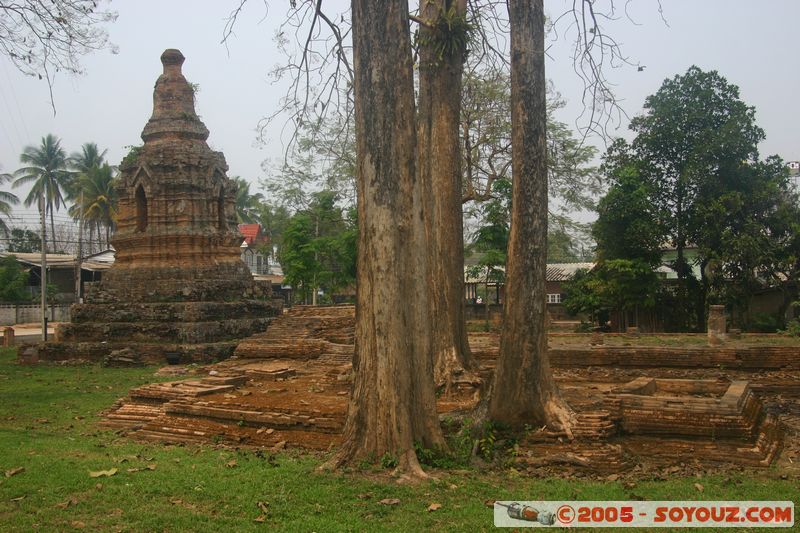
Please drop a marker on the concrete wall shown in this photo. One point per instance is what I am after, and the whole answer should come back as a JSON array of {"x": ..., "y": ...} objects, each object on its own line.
[{"x": 11, "y": 314}]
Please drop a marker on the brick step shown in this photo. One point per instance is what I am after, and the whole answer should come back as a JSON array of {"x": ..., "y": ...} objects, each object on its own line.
[
  {"x": 274, "y": 418},
  {"x": 188, "y": 430}
]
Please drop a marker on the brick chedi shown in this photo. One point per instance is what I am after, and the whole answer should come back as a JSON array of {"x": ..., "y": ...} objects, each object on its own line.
[{"x": 178, "y": 283}]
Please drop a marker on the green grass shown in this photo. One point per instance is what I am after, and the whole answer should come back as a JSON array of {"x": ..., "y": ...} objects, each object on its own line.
[{"x": 48, "y": 417}]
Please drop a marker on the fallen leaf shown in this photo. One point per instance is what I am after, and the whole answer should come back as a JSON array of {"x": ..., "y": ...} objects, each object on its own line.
[
  {"x": 489, "y": 503},
  {"x": 264, "y": 506},
  {"x": 71, "y": 502},
  {"x": 18, "y": 499},
  {"x": 699, "y": 487},
  {"x": 259, "y": 431},
  {"x": 231, "y": 464},
  {"x": 279, "y": 446},
  {"x": 99, "y": 486},
  {"x": 270, "y": 431},
  {"x": 612, "y": 477},
  {"x": 103, "y": 473},
  {"x": 434, "y": 507},
  {"x": 151, "y": 466},
  {"x": 389, "y": 501},
  {"x": 77, "y": 524},
  {"x": 260, "y": 518},
  {"x": 15, "y": 471},
  {"x": 364, "y": 496},
  {"x": 132, "y": 470}
]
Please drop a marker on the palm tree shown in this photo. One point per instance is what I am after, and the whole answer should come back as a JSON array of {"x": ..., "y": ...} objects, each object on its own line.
[
  {"x": 246, "y": 204},
  {"x": 47, "y": 171},
  {"x": 7, "y": 199},
  {"x": 99, "y": 199},
  {"x": 80, "y": 163}
]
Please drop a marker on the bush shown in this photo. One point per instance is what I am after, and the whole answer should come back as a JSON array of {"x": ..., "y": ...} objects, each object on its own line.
[
  {"x": 764, "y": 323},
  {"x": 793, "y": 328},
  {"x": 13, "y": 280}
]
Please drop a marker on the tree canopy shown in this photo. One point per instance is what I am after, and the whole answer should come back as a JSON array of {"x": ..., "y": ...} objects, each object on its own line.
[
  {"x": 13, "y": 280},
  {"x": 318, "y": 248},
  {"x": 692, "y": 176}
]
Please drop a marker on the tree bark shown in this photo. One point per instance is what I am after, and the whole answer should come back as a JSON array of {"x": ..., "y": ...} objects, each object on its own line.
[
  {"x": 393, "y": 404},
  {"x": 439, "y": 167},
  {"x": 53, "y": 230},
  {"x": 524, "y": 391}
]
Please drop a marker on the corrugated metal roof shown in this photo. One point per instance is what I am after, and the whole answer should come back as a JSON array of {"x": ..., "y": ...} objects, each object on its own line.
[
  {"x": 61, "y": 261},
  {"x": 565, "y": 271},
  {"x": 555, "y": 272}
]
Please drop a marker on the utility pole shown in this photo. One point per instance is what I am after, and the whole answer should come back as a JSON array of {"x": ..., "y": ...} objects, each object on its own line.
[
  {"x": 43, "y": 270},
  {"x": 80, "y": 251}
]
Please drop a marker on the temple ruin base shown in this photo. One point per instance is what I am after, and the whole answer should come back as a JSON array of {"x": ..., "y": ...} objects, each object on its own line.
[{"x": 289, "y": 386}]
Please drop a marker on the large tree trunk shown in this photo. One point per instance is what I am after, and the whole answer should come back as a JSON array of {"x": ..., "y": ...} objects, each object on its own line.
[
  {"x": 393, "y": 404},
  {"x": 439, "y": 167},
  {"x": 524, "y": 390}
]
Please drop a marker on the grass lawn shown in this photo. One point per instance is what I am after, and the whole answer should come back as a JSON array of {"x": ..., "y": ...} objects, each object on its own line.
[{"x": 48, "y": 417}]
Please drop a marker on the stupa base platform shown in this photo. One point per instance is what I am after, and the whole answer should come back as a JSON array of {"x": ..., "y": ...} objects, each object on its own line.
[
  {"x": 298, "y": 398},
  {"x": 153, "y": 352}
]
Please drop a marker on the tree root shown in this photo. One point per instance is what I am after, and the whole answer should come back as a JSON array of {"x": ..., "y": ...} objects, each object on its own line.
[{"x": 559, "y": 416}]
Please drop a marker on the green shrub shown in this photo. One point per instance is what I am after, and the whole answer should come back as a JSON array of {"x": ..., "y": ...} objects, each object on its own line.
[{"x": 764, "y": 323}]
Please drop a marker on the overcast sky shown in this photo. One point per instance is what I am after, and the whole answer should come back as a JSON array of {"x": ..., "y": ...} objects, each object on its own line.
[{"x": 752, "y": 44}]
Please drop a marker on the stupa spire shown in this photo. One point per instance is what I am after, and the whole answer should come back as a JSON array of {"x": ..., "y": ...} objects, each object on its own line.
[{"x": 174, "y": 115}]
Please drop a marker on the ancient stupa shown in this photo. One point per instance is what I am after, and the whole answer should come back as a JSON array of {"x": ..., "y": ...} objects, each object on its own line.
[{"x": 178, "y": 286}]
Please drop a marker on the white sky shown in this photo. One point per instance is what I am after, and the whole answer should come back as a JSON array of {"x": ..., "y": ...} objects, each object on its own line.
[{"x": 752, "y": 44}]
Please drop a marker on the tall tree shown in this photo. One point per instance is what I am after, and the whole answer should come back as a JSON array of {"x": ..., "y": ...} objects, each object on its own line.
[
  {"x": 524, "y": 391},
  {"x": 99, "y": 207},
  {"x": 80, "y": 163},
  {"x": 695, "y": 130},
  {"x": 696, "y": 150},
  {"x": 247, "y": 205},
  {"x": 7, "y": 200},
  {"x": 47, "y": 172},
  {"x": 442, "y": 43},
  {"x": 318, "y": 248},
  {"x": 392, "y": 405}
]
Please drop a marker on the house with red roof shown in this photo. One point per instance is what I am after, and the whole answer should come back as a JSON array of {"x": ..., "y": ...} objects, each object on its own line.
[{"x": 255, "y": 248}]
